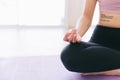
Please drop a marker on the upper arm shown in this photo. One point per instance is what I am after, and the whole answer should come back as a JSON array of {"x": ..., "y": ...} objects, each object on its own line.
[{"x": 89, "y": 8}]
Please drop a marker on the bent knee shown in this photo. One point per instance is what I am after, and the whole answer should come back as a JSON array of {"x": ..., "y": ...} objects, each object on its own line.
[
  {"x": 68, "y": 62},
  {"x": 68, "y": 56}
]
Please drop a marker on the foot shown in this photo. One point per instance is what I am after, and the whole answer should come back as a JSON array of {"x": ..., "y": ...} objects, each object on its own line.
[{"x": 115, "y": 72}]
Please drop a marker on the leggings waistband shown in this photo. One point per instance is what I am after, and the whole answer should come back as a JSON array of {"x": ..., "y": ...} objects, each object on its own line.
[{"x": 107, "y": 27}]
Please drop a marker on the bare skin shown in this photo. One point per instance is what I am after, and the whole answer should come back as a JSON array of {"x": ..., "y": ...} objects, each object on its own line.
[
  {"x": 109, "y": 19},
  {"x": 106, "y": 19},
  {"x": 115, "y": 72}
]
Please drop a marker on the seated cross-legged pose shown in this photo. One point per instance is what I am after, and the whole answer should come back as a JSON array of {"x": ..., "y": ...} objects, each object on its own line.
[{"x": 101, "y": 54}]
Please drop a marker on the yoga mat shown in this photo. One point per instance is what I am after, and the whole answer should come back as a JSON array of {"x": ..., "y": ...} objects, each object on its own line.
[{"x": 41, "y": 68}]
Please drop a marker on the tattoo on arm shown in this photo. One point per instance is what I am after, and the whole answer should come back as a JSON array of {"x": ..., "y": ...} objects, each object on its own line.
[{"x": 106, "y": 17}]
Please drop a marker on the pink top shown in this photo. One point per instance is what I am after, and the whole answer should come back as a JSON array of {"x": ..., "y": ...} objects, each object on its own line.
[{"x": 109, "y": 5}]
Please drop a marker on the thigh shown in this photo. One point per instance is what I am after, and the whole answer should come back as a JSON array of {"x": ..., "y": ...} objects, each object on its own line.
[
  {"x": 90, "y": 57},
  {"x": 76, "y": 48},
  {"x": 98, "y": 58}
]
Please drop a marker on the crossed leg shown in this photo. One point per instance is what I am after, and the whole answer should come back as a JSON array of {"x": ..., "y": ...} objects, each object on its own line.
[{"x": 91, "y": 59}]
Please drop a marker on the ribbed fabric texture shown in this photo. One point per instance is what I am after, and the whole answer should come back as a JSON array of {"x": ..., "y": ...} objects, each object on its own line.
[{"x": 109, "y": 5}]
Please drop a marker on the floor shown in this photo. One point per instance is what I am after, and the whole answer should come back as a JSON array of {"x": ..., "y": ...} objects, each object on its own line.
[{"x": 41, "y": 68}]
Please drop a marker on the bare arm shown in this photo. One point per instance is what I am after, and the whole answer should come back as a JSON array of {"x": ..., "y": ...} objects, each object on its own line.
[
  {"x": 86, "y": 18},
  {"x": 75, "y": 35}
]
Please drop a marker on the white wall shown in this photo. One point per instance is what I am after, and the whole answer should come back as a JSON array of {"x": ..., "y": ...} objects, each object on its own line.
[
  {"x": 41, "y": 12},
  {"x": 8, "y": 12},
  {"x": 73, "y": 11},
  {"x": 38, "y": 12},
  {"x": 32, "y": 12}
]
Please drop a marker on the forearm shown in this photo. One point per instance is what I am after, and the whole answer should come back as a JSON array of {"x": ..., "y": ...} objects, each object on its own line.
[{"x": 83, "y": 25}]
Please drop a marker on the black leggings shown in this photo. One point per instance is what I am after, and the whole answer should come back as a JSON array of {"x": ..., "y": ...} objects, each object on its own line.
[{"x": 101, "y": 53}]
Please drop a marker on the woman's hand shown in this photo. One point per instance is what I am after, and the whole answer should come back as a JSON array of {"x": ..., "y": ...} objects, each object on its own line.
[{"x": 72, "y": 36}]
